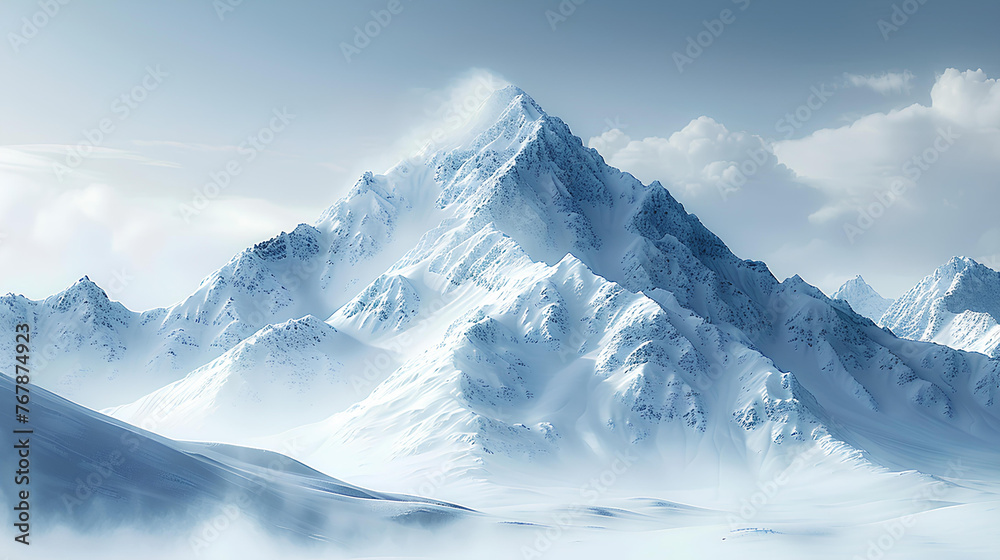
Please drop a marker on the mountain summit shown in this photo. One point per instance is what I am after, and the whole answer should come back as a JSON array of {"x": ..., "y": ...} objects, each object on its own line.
[
  {"x": 863, "y": 298},
  {"x": 957, "y": 305}
]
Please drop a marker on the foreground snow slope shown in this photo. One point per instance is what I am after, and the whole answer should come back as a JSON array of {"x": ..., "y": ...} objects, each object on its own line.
[
  {"x": 103, "y": 489},
  {"x": 97, "y": 474},
  {"x": 957, "y": 305}
]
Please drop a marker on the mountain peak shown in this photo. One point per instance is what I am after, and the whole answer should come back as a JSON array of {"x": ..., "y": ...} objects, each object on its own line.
[
  {"x": 863, "y": 299},
  {"x": 961, "y": 273},
  {"x": 506, "y": 113},
  {"x": 958, "y": 305},
  {"x": 85, "y": 287},
  {"x": 959, "y": 263},
  {"x": 858, "y": 281},
  {"x": 508, "y": 97}
]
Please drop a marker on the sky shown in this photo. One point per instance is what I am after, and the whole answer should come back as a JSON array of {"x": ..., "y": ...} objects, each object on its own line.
[{"x": 143, "y": 144}]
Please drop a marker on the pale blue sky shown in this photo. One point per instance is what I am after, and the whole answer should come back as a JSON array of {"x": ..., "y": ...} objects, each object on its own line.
[{"x": 607, "y": 65}]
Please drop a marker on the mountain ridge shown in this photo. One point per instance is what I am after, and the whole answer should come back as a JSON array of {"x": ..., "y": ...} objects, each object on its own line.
[{"x": 957, "y": 305}]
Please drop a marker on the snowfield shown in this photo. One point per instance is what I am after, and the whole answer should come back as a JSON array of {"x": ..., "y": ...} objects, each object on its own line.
[{"x": 512, "y": 326}]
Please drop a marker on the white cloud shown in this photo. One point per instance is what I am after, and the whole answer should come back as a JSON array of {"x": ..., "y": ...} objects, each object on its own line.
[
  {"x": 793, "y": 212},
  {"x": 446, "y": 114},
  {"x": 57, "y": 232},
  {"x": 946, "y": 148},
  {"x": 610, "y": 143},
  {"x": 703, "y": 159},
  {"x": 968, "y": 98},
  {"x": 888, "y": 83},
  {"x": 903, "y": 191}
]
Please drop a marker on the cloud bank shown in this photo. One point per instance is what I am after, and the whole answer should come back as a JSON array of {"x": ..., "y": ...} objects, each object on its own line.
[{"x": 890, "y": 195}]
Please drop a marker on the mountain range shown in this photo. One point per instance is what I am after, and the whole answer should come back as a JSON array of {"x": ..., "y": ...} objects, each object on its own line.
[
  {"x": 506, "y": 316},
  {"x": 957, "y": 305}
]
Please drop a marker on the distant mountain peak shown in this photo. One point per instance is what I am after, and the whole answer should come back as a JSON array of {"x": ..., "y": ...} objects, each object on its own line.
[
  {"x": 863, "y": 299},
  {"x": 83, "y": 290},
  {"x": 958, "y": 305}
]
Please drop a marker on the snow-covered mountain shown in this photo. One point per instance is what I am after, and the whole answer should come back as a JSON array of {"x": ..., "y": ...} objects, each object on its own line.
[
  {"x": 509, "y": 313},
  {"x": 957, "y": 305},
  {"x": 304, "y": 362},
  {"x": 864, "y": 300},
  {"x": 98, "y": 353},
  {"x": 544, "y": 307}
]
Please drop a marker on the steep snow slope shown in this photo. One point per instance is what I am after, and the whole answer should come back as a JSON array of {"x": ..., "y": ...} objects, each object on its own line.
[
  {"x": 958, "y": 305},
  {"x": 283, "y": 376},
  {"x": 864, "y": 300}
]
